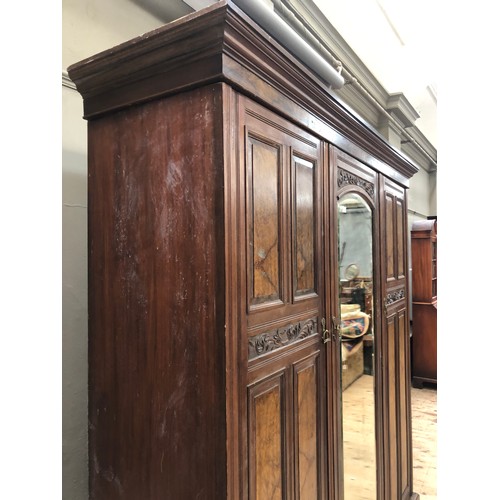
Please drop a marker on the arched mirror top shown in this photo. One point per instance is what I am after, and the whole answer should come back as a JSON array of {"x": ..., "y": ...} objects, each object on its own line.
[
  {"x": 354, "y": 198},
  {"x": 355, "y": 234}
]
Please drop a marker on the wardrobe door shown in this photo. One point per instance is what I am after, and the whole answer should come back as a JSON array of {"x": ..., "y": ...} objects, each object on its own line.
[
  {"x": 284, "y": 311},
  {"x": 354, "y": 257},
  {"x": 396, "y": 375}
]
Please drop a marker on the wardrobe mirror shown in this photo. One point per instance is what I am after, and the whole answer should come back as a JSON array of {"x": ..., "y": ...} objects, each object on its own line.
[{"x": 357, "y": 346}]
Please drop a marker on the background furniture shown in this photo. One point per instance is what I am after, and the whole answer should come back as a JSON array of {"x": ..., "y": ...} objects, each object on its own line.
[
  {"x": 215, "y": 160},
  {"x": 424, "y": 302}
]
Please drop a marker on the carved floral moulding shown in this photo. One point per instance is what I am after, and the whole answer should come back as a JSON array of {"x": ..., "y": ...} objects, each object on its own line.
[
  {"x": 281, "y": 337},
  {"x": 345, "y": 178},
  {"x": 394, "y": 296}
]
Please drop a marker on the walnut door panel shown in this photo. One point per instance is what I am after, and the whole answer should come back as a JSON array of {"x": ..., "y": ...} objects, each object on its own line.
[
  {"x": 391, "y": 417},
  {"x": 403, "y": 357},
  {"x": 303, "y": 227},
  {"x": 267, "y": 430},
  {"x": 283, "y": 216},
  {"x": 267, "y": 234},
  {"x": 265, "y": 252},
  {"x": 286, "y": 434},
  {"x": 395, "y": 225},
  {"x": 398, "y": 399},
  {"x": 308, "y": 434}
]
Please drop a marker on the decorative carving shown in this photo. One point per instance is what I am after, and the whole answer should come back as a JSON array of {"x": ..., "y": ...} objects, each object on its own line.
[
  {"x": 395, "y": 296},
  {"x": 269, "y": 341},
  {"x": 348, "y": 179}
]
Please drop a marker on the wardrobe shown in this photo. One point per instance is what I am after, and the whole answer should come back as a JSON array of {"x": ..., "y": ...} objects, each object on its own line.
[{"x": 247, "y": 239}]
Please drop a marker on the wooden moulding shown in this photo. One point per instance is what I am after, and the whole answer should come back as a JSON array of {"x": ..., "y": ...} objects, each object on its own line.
[{"x": 222, "y": 44}]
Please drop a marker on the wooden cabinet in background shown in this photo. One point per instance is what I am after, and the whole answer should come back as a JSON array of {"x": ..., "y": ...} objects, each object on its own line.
[{"x": 424, "y": 301}]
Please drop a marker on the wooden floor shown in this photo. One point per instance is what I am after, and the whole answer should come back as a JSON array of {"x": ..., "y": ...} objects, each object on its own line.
[
  {"x": 424, "y": 434},
  {"x": 359, "y": 441}
]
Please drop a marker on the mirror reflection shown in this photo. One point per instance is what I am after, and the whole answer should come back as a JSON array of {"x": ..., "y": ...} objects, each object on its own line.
[{"x": 357, "y": 343}]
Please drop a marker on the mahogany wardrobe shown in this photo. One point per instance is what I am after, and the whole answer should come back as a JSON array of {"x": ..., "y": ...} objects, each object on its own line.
[{"x": 248, "y": 305}]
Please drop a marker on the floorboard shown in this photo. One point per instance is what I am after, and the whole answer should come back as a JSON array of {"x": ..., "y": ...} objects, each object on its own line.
[
  {"x": 359, "y": 441},
  {"x": 424, "y": 435}
]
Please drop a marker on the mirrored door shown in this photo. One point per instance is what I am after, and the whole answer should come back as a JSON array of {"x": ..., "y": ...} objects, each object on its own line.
[{"x": 357, "y": 341}]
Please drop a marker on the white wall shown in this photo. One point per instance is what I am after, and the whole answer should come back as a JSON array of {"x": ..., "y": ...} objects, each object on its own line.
[
  {"x": 422, "y": 194},
  {"x": 90, "y": 26},
  {"x": 74, "y": 299}
]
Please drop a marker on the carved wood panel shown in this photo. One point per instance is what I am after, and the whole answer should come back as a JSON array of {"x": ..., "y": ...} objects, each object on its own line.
[{"x": 278, "y": 338}]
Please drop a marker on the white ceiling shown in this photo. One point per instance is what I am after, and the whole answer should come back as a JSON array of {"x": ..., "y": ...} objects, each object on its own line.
[{"x": 396, "y": 40}]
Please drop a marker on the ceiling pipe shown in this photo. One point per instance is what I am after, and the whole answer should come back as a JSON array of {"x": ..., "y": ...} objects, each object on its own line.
[{"x": 265, "y": 16}]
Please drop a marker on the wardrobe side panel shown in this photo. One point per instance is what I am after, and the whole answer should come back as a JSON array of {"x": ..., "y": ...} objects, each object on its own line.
[{"x": 156, "y": 301}]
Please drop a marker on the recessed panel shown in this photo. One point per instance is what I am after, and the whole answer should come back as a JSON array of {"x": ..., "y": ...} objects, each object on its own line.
[
  {"x": 266, "y": 440},
  {"x": 389, "y": 236},
  {"x": 391, "y": 383},
  {"x": 403, "y": 399},
  {"x": 307, "y": 431},
  {"x": 400, "y": 236},
  {"x": 264, "y": 222},
  {"x": 304, "y": 247}
]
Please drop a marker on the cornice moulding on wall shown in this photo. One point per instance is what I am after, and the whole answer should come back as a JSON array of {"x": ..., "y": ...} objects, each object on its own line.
[
  {"x": 421, "y": 153},
  {"x": 353, "y": 98},
  {"x": 67, "y": 82},
  {"x": 397, "y": 105}
]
